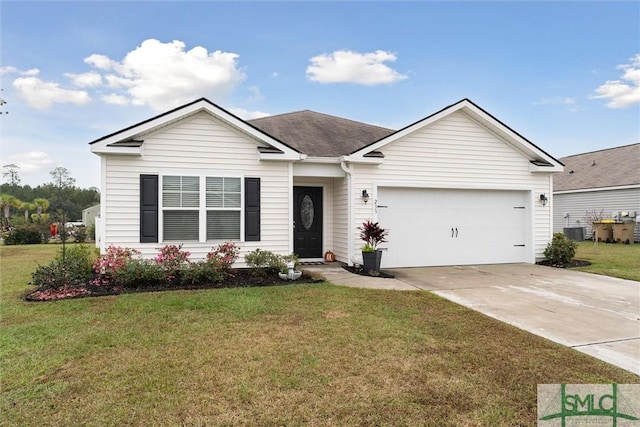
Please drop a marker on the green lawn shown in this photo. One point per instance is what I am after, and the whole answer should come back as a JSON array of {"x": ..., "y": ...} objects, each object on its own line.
[
  {"x": 293, "y": 355},
  {"x": 614, "y": 260}
]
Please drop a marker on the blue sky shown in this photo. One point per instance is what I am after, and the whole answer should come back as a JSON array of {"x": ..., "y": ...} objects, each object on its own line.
[{"x": 565, "y": 75}]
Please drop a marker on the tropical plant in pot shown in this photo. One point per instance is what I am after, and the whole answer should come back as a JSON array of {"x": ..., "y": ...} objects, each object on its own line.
[{"x": 372, "y": 235}]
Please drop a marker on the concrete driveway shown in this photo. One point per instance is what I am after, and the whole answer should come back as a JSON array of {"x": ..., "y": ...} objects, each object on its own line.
[{"x": 597, "y": 315}]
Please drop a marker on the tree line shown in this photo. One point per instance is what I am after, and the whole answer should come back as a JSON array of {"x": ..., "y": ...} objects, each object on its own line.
[{"x": 59, "y": 195}]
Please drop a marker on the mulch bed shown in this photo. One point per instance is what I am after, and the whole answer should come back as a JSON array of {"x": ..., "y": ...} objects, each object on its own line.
[
  {"x": 239, "y": 278},
  {"x": 360, "y": 271},
  {"x": 574, "y": 263}
]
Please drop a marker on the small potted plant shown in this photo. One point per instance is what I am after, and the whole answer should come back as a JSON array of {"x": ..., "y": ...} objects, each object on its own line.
[{"x": 372, "y": 235}]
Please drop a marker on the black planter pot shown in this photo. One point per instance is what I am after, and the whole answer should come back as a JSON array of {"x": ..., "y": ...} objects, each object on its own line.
[{"x": 371, "y": 261}]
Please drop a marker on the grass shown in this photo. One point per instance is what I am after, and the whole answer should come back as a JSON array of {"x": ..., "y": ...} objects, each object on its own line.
[
  {"x": 291, "y": 355},
  {"x": 616, "y": 260}
]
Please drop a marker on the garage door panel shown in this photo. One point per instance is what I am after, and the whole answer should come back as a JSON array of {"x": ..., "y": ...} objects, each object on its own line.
[{"x": 452, "y": 227}]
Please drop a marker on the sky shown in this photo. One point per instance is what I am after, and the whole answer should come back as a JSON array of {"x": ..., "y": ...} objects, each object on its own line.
[{"x": 565, "y": 75}]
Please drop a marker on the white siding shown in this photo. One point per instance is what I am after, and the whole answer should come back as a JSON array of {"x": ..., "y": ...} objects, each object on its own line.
[
  {"x": 199, "y": 145},
  {"x": 341, "y": 219},
  {"x": 576, "y": 205},
  {"x": 454, "y": 152}
]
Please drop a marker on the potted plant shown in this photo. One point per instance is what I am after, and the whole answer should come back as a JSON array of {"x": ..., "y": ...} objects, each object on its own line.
[{"x": 372, "y": 235}]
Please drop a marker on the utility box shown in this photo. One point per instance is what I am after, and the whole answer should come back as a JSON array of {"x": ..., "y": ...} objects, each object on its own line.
[
  {"x": 574, "y": 233},
  {"x": 603, "y": 232},
  {"x": 623, "y": 232}
]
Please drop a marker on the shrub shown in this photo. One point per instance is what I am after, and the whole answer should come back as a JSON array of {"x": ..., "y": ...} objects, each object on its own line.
[
  {"x": 106, "y": 265},
  {"x": 138, "y": 273},
  {"x": 203, "y": 272},
  {"x": 73, "y": 269},
  {"x": 560, "y": 250},
  {"x": 266, "y": 262},
  {"x": 24, "y": 235},
  {"x": 80, "y": 234}
]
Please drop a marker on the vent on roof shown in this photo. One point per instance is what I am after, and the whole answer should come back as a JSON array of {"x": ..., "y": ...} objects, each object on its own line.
[
  {"x": 374, "y": 154},
  {"x": 129, "y": 143}
]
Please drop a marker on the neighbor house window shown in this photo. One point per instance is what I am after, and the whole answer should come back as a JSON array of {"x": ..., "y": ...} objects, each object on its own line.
[
  {"x": 181, "y": 203},
  {"x": 185, "y": 207}
]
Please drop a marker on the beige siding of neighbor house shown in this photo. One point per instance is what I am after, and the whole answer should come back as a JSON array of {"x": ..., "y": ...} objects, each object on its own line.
[
  {"x": 605, "y": 202},
  {"x": 454, "y": 152},
  {"x": 198, "y": 145}
]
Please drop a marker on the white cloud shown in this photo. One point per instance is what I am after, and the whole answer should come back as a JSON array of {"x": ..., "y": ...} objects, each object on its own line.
[
  {"x": 90, "y": 79},
  {"x": 30, "y": 163},
  {"x": 115, "y": 99},
  {"x": 8, "y": 70},
  {"x": 248, "y": 115},
  {"x": 41, "y": 95},
  {"x": 567, "y": 102},
  {"x": 345, "y": 66},
  {"x": 164, "y": 75},
  {"x": 626, "y": 91}
]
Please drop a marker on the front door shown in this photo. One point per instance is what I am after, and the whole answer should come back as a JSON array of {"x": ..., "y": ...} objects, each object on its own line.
[{"x": 307, "y": 222}]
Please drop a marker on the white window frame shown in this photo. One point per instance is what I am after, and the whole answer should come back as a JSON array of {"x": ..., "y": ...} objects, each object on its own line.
[{"x": 202, "y": 209}]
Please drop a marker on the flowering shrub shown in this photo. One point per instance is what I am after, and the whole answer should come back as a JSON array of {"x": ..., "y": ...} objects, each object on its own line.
[
  {"x": 106, "y": 265},
  {"x": 224, "y": 255},
  {"x": 172, "y": 259}
]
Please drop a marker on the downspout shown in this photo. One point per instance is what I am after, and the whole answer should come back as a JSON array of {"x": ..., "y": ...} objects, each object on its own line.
[{"x": 347, "y": 169}]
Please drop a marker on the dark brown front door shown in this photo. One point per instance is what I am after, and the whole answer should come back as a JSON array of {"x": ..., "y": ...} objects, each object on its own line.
[{"x": 307, "y": 225}]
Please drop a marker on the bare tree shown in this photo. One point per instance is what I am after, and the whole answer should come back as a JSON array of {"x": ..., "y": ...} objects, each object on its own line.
[
  {"x": 11, "y": 172},
  {"x": 61, "y": 178}
]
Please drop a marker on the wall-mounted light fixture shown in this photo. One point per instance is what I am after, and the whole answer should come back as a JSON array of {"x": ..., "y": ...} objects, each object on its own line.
[
  {"x": 543, "y": 199},
  {"x": 365, "y": 196}
]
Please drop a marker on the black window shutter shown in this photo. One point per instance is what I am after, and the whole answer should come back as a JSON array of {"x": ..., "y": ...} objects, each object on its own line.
[
  {"x": 148, "y": 208},
  {"x": 252, "y": 209}
]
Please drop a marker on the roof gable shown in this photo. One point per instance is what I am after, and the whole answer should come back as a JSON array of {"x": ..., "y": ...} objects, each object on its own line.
[
  {"x": 540, "y": 160},
  {"x": 320, "y": 135},
  {"x": 612, "y": 167},
  {"x": 129, "y": 141}
]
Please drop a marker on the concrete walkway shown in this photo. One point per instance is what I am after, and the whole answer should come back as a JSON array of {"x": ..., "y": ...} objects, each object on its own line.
[{"x": 597, "y": 315}]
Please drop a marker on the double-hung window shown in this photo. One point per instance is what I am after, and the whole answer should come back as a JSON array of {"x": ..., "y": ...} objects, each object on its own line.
[
  {"x": 201, "y": 208},
  {"x": 181, "y": 208}
]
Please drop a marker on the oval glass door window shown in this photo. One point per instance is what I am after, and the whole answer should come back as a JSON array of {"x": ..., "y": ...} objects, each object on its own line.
[{"x": 307, "y": 212}]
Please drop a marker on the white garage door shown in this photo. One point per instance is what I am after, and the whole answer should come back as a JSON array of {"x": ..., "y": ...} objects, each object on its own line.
[{"x": 429, "y": 227}]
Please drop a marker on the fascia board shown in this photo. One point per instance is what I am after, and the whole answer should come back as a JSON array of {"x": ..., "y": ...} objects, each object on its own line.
[
  {"x": 512, "y": 137},
  {"x": 552, "y": 169},
  {"x": 180, "y": 113},
  {"x": 406, "y": 131},
  {"x": 366, "y": 160},
  {"x": 133, "y": 151},
  {"x": 282, "y": 156}
]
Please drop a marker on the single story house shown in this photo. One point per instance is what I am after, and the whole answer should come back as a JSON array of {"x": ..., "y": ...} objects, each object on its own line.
[
  {"x": 457, "y": 187},
  {"x": 604, "y": 182}
]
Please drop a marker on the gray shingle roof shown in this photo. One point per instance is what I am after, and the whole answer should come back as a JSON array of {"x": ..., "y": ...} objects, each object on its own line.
[
  {"x": 604, "y": 168},
  {"x": 320, "y": 135}
]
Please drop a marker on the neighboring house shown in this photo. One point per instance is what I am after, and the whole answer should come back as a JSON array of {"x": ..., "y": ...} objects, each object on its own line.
[
  {"x": 457, "y": 187},
  {"x": 606, "y": 182},
  {"x": 89, "y": 215}
]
